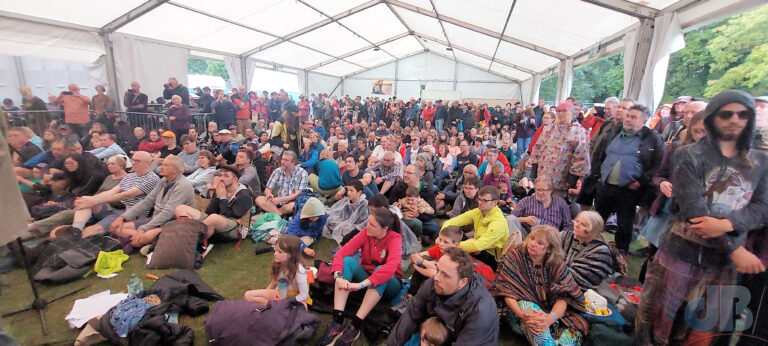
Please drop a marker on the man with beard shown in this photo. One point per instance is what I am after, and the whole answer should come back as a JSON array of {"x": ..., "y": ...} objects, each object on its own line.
[
  {"x": 720, "y": 188},
  {"x": 458, "y": 297}
]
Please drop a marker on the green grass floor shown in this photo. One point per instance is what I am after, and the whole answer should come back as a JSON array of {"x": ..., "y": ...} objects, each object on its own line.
[{"x": 230, "y": 272}]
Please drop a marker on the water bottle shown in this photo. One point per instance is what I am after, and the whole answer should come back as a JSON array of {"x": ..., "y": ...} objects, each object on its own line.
[
  {"x": 282, "y": 288},
  {"x": 135, "y": 286}
]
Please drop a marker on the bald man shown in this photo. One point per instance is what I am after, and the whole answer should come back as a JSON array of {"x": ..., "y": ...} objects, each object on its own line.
[{"x": 674, "y": 130}]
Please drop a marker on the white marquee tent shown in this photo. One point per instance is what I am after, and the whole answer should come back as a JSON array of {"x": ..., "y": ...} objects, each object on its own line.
[{"x": 498, "y": 49}]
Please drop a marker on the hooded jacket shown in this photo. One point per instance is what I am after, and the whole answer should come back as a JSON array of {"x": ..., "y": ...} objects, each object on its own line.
[
  {"x": 491, "y": 230},
  {"x": 710, "y": 184},
  {"x": 233, "y": 208},
  {"x": 469, "y": 314}
]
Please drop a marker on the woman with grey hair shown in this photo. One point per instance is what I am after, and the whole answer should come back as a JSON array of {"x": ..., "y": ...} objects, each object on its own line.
[
  {"x": 426, "y": 168},
  {"x": 179, "y": 116},
  {"x": 586, "y": 253}
]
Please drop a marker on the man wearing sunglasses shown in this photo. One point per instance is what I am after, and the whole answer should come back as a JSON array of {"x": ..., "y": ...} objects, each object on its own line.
[
  {"x": 721, "y": 188},
  {"x": 490, "y": 226}
]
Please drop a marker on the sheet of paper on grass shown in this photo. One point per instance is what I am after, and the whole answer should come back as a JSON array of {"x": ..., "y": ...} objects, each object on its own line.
[{"x": 94, "y": 306}]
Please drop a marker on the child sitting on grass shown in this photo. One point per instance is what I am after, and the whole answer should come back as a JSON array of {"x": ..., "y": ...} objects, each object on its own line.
[
  {"x": 286, "y": 265},
  {"x": 449, "y": 237},
  {"x": 412, "y": 206}
]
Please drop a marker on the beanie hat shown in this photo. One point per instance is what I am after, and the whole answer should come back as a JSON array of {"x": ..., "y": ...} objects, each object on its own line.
[{"x": 313, "y": 207}]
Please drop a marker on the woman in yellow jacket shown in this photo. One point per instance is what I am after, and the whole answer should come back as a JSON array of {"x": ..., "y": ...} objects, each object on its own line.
[
  {"x": 288, "y": 133},
  {"x": 491, "y": 228}
]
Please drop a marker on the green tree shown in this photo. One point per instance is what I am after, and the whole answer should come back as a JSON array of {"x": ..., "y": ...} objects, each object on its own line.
[
  {"x": 688, "y": 70},
  {"x": 196, "y": 66},
  {"x": 740, "y": 54},
  {"x": 216, "y": 68},
  {"x": 548, "y": 89}
]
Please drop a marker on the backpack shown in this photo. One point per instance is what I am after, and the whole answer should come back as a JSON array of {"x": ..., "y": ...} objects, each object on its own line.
[
  {"x": 486, "y": 273},
  {"x": 280, "y": 322},
  {"x": 181, "y": 244},
  {"x": 302, "y": 198}
]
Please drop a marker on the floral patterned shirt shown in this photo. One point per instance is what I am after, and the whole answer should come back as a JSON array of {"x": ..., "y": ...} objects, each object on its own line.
[{"x": 562, "y": 149}]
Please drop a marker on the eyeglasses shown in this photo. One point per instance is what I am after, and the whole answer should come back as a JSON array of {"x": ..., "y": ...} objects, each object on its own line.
[
  {"x": 411, "y": 172},
  {"x": 725, "y": 115},
  {"x": 483, "y": 200}
]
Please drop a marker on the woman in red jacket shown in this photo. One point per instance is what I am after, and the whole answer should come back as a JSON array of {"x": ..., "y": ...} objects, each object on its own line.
[
  {"x": 378, "y": 272},
  {"x": 153, "y": 143}
]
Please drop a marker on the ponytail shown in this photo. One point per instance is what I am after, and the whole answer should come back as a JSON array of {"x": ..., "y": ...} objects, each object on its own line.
[{"x": 387, "y": 219}]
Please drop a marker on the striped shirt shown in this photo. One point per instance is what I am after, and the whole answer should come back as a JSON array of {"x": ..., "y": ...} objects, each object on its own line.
[
  {"x": 287, "y": 184},
  {"x": 146, "y": 183},
  {"x": 556, "y": 215}
]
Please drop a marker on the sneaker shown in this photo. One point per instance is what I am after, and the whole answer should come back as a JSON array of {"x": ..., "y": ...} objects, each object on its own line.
[
  {"x": 348, "y": 337},
  {"x": 263, "y": 247},
  {"x": 405, "y": 302},
  {"x": 332, "y": 333},
  {"x": 145, "y": 250}
]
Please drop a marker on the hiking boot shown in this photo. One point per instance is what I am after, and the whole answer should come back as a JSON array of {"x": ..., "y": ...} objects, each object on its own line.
[
  {"x": 348, "y": 337},
  {"x": 263, "y": 247},
  {"x": 332, "y": 333}
]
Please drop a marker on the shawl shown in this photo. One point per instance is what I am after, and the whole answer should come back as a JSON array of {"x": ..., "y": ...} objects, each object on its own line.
[
  {"x": 589, "y": 263},
  {"x": 518, "y": 278}
]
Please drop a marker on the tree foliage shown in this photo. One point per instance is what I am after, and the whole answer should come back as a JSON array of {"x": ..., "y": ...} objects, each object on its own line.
[
  {"x": 207, "y": 67},
  {"x": 729, "y": 54}
]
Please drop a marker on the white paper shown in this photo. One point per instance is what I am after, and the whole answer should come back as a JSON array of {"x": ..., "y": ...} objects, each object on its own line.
[{"x": 94, "y": 306}]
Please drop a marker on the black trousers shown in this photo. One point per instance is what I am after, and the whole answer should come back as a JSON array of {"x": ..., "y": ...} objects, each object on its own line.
[
  {"x": 622, "y": 201},
  {"x": 487, "y": 258}
]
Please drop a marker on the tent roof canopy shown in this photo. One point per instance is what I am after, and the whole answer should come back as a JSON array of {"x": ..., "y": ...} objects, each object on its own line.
[{"x": 511, "y": 38}]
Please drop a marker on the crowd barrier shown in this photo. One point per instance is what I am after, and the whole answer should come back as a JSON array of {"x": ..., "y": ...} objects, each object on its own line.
[{"x": 146, "y": 120}]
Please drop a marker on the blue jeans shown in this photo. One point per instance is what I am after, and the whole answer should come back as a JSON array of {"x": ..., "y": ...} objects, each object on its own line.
[
  {"x": 370, "y": 190},
  {"x": 353, "y": 272},
  {"x": 522, "y": 147},
  {"x": 439, "y": 125},
  {"x": 429, "y": 227},
  {"x": 567, "y": 337}
]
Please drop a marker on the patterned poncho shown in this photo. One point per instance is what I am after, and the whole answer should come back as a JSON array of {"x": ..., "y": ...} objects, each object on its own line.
[{"x": 520, "y": 279}]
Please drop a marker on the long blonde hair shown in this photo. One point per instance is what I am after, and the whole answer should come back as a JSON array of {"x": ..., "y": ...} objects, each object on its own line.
[{"x": 554, "y": 255}]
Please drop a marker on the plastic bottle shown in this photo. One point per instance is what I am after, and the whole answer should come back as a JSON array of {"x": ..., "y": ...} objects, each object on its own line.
[
  {"x": 135, "y": 286},
  {"x": 282, "y": 288}
]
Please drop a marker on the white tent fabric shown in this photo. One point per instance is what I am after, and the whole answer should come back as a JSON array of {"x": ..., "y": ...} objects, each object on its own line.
[
  {"x": 530, "y": 90},
  {"x": 137, "y": 60},
  {"x": 513, "y": 39},
  {"x": 667, "y": 39},
  {"x": 48, "y": 42},
  {"x": 564, "y": 80},
  {"x": 234, "y": 70}
]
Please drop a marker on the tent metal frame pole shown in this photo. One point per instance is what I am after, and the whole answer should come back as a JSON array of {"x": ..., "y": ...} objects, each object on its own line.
[
  {"x": 394, "y": 87},
  {"x": 644, "y": 37},
  {"x": 477, "y": 67},
  {"x": 131, "y": 15},
  {"x": 336, "y": 87},
  {"x": 314, "y": 26},
  {"x": 111, "y": 70},
  {"x": 437, "y": 40},
  {"x": 397, "y": 15},
  {"x": 626, "y": 7},
  {"x": 456, "y": 74},
  {"x": 46, "y": 21},
  {"x": 357, "y": 51},
  {"x": 380, "y": 65},
  {"x": 478, "y": 29},
  {"x": 498, "y": 44},
  {"x": 19, "y": 66}
]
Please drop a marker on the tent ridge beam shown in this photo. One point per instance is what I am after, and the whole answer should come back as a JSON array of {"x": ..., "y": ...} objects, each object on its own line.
[
  {"x": 131, "y": 15},
  {"x": 498, "y": 44},
  {"x": 342, "y": 25},
  {"x": 207, "y": 14},
  {"x": 442, "y": 26},
  {"x": 404, "y": 24},
  {"x": 526, "y": 70},
  {"x": 373, "y": 45},
  {"x": 314, "y": 26},
  {"x": 626, "y": 7},
  {"x": 478, "y": 29}
]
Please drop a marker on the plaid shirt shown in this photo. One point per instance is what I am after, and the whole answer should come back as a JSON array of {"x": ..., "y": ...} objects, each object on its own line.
[
  {"x": 556, "y": 215},
  {"x": 287, "y": 184},
  {"x": 391, "y": 173}
]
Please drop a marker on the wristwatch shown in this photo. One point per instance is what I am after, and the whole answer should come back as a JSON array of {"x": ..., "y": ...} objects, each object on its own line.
[{"x": 337, "y": 275}]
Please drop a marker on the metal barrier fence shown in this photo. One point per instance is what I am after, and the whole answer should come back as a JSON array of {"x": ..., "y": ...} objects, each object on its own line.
[{"x": 146, "y": 120}]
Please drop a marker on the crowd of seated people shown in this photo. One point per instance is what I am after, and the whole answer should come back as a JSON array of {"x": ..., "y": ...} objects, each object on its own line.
[{"x": 526, "y": 190}]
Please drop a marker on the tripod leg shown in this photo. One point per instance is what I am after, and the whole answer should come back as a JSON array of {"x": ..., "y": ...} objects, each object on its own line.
[{"x": 42, "y": 321}]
